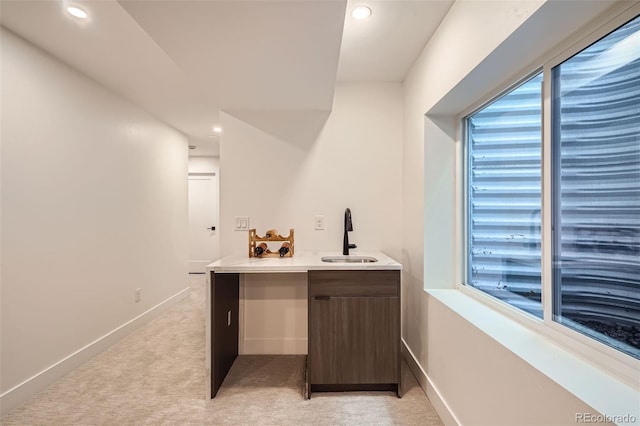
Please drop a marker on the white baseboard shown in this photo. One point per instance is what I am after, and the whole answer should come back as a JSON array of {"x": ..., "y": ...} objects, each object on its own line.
[
  {"x": 438, "y": 402},
  {"x": 21, "y": 393}
]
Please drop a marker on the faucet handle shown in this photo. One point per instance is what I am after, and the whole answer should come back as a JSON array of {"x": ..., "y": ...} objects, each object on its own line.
[{"x": 352, "y": 246}]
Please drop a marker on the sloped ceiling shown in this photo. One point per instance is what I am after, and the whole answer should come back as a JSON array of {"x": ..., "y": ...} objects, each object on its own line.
[
  {"x": 184, "y": 61},
  {"x": 273, "y": 64}
]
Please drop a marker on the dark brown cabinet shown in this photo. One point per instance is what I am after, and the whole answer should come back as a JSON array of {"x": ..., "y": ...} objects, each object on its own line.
[
  {"x": 354, "y": 330},
  {"x": 224, "y": 326}
]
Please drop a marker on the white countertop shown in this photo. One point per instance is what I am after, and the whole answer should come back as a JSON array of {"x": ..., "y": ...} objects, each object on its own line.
[{"x": 300, "y": 262}]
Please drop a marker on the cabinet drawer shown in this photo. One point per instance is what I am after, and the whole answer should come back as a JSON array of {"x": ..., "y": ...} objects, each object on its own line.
[{"x": 354, "y": 283}]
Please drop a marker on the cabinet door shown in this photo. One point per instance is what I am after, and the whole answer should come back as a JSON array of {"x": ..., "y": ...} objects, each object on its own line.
[{"x": 354, "y": 340}]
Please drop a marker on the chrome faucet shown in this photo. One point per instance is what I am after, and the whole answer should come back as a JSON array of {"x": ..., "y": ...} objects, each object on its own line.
[{"x": 348, "y": 226}]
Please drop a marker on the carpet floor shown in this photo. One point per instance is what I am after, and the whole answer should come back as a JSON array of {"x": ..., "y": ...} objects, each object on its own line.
[{"x": 156, "y": 376}]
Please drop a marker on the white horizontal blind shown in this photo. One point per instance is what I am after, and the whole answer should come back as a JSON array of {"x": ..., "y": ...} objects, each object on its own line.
[
  {"x": 504, "y": 197},
  {"x": 596, "y": 155}
]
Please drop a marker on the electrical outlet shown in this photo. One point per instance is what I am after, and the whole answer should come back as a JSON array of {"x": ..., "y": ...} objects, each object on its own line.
[
  {"x": 136, "y": 295},
  {"x": 318, "y": 222}
]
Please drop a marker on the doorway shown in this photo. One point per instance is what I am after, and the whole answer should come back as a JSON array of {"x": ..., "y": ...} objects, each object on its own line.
[{"x": 204, "y": 243}]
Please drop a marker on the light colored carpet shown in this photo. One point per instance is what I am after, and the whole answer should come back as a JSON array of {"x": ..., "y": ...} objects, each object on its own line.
[{"x": 156, "y": 376}]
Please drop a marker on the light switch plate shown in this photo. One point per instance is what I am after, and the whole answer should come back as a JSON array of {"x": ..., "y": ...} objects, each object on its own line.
[
  {"x": 318, "y": 222},
  {"x": 242, "y": 223}
]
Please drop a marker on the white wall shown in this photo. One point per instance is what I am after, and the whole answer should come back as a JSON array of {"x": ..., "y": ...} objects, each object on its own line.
[
  {"x": 479, "y": 46},
  {"x": 204, "y": 165},
  {"x": 355, "y": 162},
  {"x": 484, "y": 383},
  {"x": 94, "y": 205}
]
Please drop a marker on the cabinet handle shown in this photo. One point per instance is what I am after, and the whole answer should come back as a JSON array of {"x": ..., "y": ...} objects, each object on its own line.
[
  {"x": 322, "y": 297},
  {"x": 228, "y": 318}
]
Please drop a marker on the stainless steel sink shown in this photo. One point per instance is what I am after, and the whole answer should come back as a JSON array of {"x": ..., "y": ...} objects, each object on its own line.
[{"x": 348, "y": 259}]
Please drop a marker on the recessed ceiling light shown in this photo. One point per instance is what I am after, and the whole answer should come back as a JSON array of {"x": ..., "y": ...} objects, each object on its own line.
[
  {"x": 361, "y": 12},
  {"x": 217, "y": 129},
  {"x": 77, "y": 12}
]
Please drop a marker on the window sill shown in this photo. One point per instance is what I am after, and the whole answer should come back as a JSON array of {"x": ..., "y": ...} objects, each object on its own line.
[{"x": 586, "y": 380}]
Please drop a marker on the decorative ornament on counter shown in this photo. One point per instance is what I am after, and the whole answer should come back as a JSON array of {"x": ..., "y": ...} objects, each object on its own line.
[{"x": 258, "y": 246}]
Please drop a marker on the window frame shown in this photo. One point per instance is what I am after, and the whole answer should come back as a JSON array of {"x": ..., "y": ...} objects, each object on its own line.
[{"x": 617, "y": 362}]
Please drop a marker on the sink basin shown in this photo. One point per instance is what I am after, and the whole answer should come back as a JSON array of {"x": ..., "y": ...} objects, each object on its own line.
[{"x": 348, "y": 259}]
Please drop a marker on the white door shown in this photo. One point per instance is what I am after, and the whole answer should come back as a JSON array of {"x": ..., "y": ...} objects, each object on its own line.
[{"x": 203, "y": 216}]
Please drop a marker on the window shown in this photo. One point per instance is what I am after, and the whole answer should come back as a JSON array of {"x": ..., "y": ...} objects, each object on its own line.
[
  {"x": 504, "y": 152},
  {"x": 594, "y": 248},
  {"x": 596, "y": 169}
]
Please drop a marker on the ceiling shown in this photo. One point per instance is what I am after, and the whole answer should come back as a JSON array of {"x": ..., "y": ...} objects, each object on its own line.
[{"x": 273, "y": 64}]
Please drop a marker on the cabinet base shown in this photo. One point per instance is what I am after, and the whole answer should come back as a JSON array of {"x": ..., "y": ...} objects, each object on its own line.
[{"x": 393, "y": 387}]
